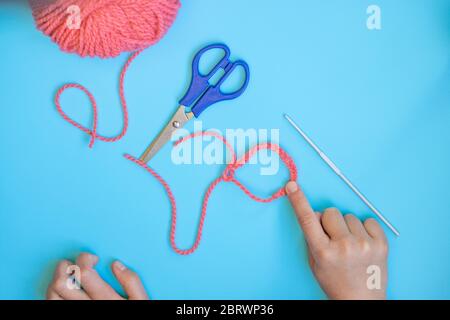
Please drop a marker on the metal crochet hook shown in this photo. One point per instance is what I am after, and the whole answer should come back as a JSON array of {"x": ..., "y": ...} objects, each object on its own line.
[{"x": 341, "y": 175}]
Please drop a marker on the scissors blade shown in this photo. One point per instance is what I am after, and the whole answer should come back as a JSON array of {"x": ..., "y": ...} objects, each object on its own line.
[{"x": 179, "y": 119}]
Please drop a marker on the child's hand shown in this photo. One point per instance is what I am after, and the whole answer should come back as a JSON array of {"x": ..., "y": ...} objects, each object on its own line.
[
  {"x": 341, "y": 249},
  {"x": 93, "y": 287}
]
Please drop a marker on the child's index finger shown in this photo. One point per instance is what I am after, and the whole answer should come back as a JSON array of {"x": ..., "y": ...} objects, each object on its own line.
[{"x": 311, "y": 226}]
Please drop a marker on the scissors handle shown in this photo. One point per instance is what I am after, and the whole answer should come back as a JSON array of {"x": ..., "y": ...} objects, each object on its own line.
[{"x": 201, "y": 93}]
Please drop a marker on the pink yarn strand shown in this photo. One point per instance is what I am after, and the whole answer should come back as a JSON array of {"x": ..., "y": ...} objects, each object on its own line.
[
  {"x": 93, "y": 132},
  {"x": 227, "y": 176}
]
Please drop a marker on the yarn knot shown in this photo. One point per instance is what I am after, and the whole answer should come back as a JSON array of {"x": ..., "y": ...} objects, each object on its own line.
[{"x": 229, "y": 172}]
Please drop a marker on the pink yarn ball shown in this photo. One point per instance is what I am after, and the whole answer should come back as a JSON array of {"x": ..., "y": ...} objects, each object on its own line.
[{"x": 104, "y": 28}]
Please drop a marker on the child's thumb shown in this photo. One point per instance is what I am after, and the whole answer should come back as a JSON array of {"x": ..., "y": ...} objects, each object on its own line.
[{"x": 130, "y": 281}]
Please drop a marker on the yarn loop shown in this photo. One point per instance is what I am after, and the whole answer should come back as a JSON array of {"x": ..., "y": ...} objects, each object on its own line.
[
  {"x": 227, "y": 176},
  {"x": 93, "y": 132}
]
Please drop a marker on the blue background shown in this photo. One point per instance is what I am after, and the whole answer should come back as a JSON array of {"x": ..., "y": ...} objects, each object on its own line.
[{"x": 378, "y": 102}]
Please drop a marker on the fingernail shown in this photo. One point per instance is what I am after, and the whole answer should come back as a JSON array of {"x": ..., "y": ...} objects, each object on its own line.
[
  {"x": 88, "y": 259},
  {"x": 92, "y": 258},
  {"x": 291, "y": 187},
  {"x": 119, "y": 265}
]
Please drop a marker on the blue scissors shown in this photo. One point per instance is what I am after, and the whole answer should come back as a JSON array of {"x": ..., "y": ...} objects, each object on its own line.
[{"x": 200, "y": 96}]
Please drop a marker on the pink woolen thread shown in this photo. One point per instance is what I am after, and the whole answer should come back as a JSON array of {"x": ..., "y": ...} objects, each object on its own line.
[
  {"x": 227, "y": 176},
  {"x": 93, "y": 132},
  {"x": 107, "y": 29}
]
